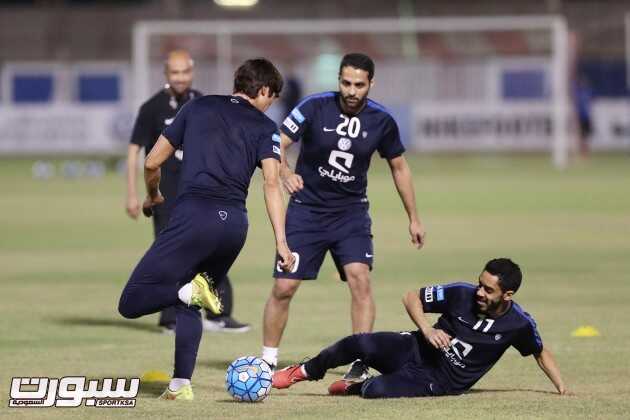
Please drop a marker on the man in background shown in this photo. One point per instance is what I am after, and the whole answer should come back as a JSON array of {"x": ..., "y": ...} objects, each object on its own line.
[{"x": 154, "y": 115}]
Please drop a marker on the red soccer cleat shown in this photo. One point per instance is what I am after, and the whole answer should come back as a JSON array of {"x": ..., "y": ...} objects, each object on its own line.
[
  {"x": 343, "y": 387},
  {"x": 288, "y": 376}
]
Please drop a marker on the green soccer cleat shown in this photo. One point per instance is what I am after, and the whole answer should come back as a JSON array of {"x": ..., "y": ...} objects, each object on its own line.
[
  {"x": 184, "y": 393},
  {"x": 204, "y": 295}
]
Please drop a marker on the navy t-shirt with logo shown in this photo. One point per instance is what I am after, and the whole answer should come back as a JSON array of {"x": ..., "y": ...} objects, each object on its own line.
[
  {"x": 337, "y": 148},
  {"x": 477, "y": 341},
  {"x": 225, "y": 138}
]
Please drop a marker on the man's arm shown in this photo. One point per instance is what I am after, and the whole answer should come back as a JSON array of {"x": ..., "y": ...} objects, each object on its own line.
[
  {"x": 132, "y": 204},
  {"x": 158, "y": 155},
  {"x": 548, "y": 364},
  {"x": 292, "y": 181},
  {"x": 438, "y": 338},
  {"x": 404, "y": 184},
  {"x": 276, "y": 211}
]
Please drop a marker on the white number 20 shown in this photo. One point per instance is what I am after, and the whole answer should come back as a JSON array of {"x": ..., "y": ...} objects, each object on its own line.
[{"x": 353, "y": 124}]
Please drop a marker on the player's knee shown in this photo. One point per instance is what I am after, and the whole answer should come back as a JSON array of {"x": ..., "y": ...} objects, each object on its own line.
[
  {"x": 360, "y": 287},
  {"x": 126, "y": 309},
  {"x": 284, "y": 290}
]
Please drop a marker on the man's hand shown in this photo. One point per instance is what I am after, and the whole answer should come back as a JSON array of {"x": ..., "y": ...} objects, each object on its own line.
[
  {"x": 147, "y": 206},
  {"x": 417, "y": 232},
  {"x": 287, "y": 259},
  {"x": 133, "y": 207},
  {"x": 293, "y": 183},
  {"x": 438, "y": 338}
]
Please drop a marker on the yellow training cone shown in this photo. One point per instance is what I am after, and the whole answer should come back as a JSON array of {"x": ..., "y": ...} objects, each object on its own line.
[
  {"x": 585, "y": 331},
  {"x": 154, "y": 376}
]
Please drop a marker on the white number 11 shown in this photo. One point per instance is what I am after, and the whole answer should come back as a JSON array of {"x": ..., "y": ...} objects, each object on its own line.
[{"x": 489, "y": 323}]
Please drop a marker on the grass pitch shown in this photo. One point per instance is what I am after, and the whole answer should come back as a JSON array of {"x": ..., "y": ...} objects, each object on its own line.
[{"x": 67, "y": 248}]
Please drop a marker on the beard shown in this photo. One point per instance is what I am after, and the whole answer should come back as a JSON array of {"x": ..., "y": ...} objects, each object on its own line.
[
  {"x": 489, "y": 307},
  {"x": 353, "y": 103}
]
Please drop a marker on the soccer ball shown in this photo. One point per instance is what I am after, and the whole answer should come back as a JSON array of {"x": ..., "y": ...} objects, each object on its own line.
[{"x": 248, "y": 379}]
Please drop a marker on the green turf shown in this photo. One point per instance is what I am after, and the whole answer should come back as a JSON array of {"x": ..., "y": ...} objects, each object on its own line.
[{"x": 66, "y": 250}]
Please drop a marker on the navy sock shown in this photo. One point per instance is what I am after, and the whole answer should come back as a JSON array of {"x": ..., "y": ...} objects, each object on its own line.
[{"x": 188, "y": 331}]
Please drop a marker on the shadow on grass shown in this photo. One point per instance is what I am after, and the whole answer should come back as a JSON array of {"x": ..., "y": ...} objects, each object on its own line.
[
  {"x": 214, "y": 364},
  {"x": 101, "y": 322},
  {"x": 152, "y": 389},
  {"x": 482, "y": 391}
]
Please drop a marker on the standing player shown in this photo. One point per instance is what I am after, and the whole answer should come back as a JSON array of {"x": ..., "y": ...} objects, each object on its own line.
[
  {"x": 477, "y": 325},
  {"x": 155, "y": 114},
  {"x": 225, "y": 138},
  {"x": 328, "y": 210}
]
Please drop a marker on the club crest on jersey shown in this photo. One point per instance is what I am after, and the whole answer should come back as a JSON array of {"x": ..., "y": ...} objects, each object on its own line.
[
  {"x": 497, "y": 337},
  {"x": 344, "y": 144},
  {"x": 364, "y": 134},
  {"x": 223, "y": 214}
]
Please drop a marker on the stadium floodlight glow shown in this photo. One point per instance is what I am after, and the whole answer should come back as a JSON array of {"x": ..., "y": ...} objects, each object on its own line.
[{"x": 236, "y": 3}]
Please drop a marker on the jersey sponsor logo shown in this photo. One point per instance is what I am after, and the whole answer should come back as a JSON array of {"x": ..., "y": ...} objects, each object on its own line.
[
  {"x": 276, "y": 149},
  {"x": 428, "y": 294},
  {"x": 169, "y": 121},
  {"x": 347, "y": 159},
  {"x": 291, "y": 125},
  {"x": 457, "y": 352},
  {"x": 344, "y": 144},
  {"x": 335, "y": 176},
  {"x": 295, "y": 266},
  {"x": 342, "y": 173},
  {"x": 298, "y": 115},
  {"x": 179, "y": 154}
]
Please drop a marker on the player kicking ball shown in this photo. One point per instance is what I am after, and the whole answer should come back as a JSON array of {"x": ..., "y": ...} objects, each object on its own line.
[
  {"x": 225, "y": 138},
  {"x": 478, "y": 324}
]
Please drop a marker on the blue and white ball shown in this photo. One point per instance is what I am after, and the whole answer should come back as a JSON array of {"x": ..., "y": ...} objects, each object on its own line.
[{"x": 248, "y": 379}]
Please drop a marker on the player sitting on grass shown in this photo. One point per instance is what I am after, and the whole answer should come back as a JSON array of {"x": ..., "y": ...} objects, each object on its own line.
[{"x": 478, "y": 324}]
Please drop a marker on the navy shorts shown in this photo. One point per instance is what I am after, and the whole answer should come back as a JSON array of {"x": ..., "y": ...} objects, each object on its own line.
[
  {"x": 201, "y": 236},
  {"x": 347, "y": 234}
]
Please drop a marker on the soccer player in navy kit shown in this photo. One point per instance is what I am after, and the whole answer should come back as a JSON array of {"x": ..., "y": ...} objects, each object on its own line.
[
  {"x": 328, "y": 209},
  {"x": 154, "y": 115},
  {"x": 478, "y": 324},
  {"x": 225, "y": 139}
]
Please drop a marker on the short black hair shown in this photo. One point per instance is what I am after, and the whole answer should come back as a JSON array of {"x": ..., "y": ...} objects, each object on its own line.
[
  {"x": 358, "y": 61},
  {"x": 508, "y": 272},
  {"x": 256, "y": 73}
]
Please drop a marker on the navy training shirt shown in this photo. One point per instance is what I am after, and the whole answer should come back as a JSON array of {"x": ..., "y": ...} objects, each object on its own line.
[
  {"x": 478, "y": 342},
  {"x": 337, "y": 148},
  {"x": 225, "y": 138}
]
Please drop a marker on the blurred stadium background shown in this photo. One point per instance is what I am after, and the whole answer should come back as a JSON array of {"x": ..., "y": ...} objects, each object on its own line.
[
  {"x": 504, "y": 76},
  {"x": 485, "y": 94}
]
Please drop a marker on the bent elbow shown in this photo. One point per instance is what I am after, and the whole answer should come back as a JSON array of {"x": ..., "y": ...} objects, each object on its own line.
[{"x": 150, "y": 165}]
